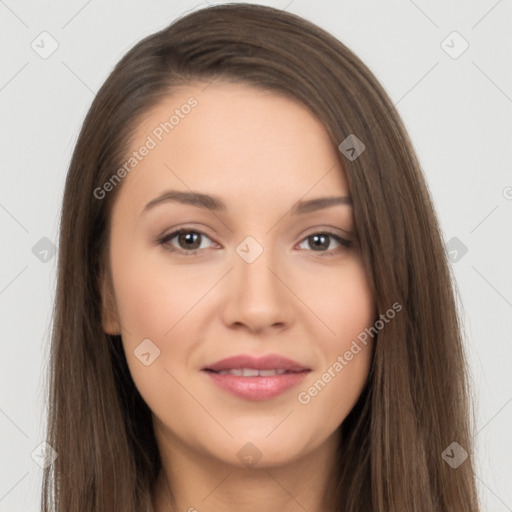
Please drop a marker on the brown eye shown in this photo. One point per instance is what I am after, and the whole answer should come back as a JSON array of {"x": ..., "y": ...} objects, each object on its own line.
[
  {"x": 320, "y": 242},
  {"x": 189, "y": 240},
  {"x": 186, "y": 241}
]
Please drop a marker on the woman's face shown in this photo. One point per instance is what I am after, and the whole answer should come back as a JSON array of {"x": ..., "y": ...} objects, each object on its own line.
[{"x": 253, "y": 275}]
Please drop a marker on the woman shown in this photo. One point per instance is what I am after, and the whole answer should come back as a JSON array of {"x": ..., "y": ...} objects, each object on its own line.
[{"x": 254, "y": 308}]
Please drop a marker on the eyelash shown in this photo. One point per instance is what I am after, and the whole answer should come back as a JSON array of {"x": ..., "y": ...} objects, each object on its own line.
[{"x": 164, "y": 241}]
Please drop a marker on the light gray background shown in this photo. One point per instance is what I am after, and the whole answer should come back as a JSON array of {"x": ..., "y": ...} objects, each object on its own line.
[{"x": 458, "y": 113}]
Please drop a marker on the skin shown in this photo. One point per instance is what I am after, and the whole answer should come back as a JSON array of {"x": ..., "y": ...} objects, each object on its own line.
[{"x": 260, "y": 153}]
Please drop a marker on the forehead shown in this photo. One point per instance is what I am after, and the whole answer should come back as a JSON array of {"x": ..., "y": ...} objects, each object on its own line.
[{"x": 233, "y": 140}]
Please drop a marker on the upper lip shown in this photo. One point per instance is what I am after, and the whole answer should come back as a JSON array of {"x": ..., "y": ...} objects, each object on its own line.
[{"x": 268, "y": 362}]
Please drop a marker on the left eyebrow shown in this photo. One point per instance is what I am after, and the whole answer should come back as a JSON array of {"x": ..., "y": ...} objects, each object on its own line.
[
  {"x": 312, "y": 205},
  {"x": 214, "y": 203}
]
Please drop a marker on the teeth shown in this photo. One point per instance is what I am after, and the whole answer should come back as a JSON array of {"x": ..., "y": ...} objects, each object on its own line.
[
  {"x": 251, "y": 372},
  {"x": 269, "y": 373}
]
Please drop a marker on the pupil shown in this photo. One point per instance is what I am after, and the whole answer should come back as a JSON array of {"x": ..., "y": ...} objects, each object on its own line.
[
  {"x": 317, "y": 238},
  {"x": 189, "y": 237}
]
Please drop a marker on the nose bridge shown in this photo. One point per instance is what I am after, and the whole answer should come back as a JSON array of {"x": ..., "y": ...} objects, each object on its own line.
[
  {"x": 257, "y": 297},
  {"x": 252, "y": 268}
]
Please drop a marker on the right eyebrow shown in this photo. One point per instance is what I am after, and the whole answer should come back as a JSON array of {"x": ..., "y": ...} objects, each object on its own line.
[{"x": 192, "y": 198}]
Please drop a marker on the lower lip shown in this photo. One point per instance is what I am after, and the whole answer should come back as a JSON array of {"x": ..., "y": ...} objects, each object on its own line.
[{"x": 257, "y": 388}]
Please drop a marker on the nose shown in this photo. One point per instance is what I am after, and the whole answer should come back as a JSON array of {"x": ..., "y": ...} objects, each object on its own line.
[{"x": 256, "y": 295}]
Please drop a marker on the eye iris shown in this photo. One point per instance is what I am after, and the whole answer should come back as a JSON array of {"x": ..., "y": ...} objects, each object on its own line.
[
  {"x": 189, "y": 236},
  {"x": 320, "y": 241}
]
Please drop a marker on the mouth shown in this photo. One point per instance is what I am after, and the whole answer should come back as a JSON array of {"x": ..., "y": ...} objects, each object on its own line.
[
  {"x": 252, "y": 372},
  {"x": 253, "y": 378}
]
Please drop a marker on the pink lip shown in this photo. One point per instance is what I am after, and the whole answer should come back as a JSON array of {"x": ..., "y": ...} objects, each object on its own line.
[{"x": 257, "y": 388}]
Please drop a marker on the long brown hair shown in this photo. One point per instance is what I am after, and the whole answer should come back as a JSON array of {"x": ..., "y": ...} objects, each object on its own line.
[{"x": 415, "y": 404}]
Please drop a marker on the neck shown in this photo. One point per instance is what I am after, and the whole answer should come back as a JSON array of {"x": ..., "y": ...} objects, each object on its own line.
[{"x": 200, "y": 483}]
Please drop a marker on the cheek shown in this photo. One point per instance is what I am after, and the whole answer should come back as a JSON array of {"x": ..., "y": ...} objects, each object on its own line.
[
  {"x": 347, "y": 309},
  {"x": 153, "y": 297},
  {"x": 152, "y": 304},
  {"x": 343, "y": 301},
  {"x": 159, "y": 302}
]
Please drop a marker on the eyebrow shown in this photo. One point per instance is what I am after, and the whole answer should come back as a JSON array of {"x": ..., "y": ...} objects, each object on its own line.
[{"x": 214, "y": 203}]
